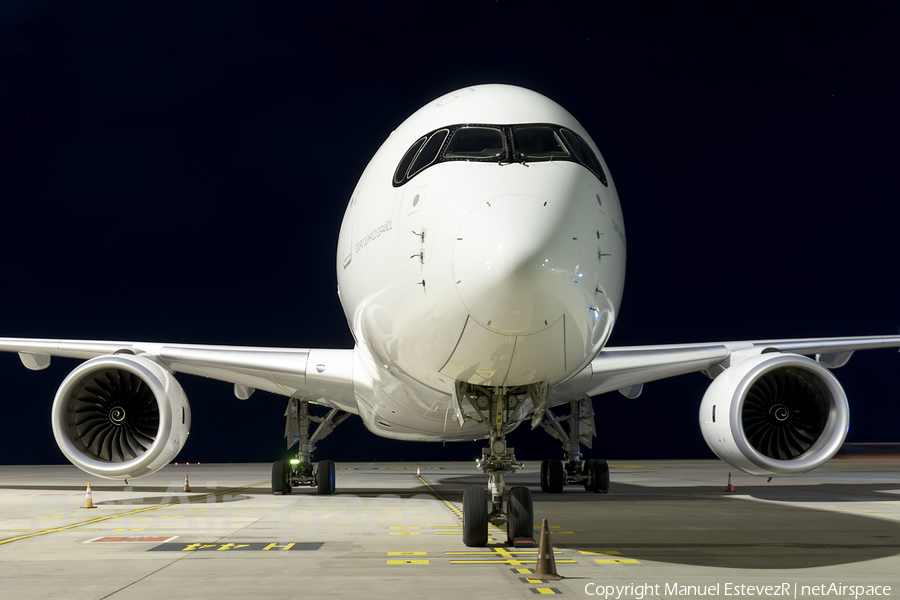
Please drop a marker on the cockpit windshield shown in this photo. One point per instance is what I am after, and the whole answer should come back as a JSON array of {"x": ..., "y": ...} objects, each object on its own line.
[
  {"x": 538, "y": 142},
  {"x": 501, "y": 144},
  {"x": 476, "y": 143}
]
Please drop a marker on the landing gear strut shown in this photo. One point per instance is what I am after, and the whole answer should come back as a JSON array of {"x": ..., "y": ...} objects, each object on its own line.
[
  {"x": 593, "y": 473},
  {"x": 301, "y": 470},
  {"x": 495, "y": 408}
]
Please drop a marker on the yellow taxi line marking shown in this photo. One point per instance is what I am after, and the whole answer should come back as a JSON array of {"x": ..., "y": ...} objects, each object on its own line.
[
  {"x": 446, "y": 502},
  {"x": 49, "y": 517},
  {"x": 507, "y": 557},
  {"x": 407, "y": 553},
  {"x": 503, "y": 562},
  {"x": 407, "y": 562},
  {"x": 615, "y": 560},
  {"x": 403, "y": 533},
  {"x": 599, "y": 552},
  {"x": 505, "y": 552},
  {"x": 130, "y": 512}
]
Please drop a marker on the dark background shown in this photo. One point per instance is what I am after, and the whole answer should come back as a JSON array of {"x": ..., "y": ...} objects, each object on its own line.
[{"x": 178, "y": 172}]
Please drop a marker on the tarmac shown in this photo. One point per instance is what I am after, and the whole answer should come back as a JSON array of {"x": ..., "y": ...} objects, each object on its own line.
[{"x": 666, "y": 529}]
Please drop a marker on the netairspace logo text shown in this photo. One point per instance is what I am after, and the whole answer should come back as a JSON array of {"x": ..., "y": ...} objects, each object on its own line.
[{"x": 787, "y": 590}]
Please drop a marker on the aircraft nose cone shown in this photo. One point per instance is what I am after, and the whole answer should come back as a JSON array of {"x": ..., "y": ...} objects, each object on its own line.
[{"x": 515, "y": 263}]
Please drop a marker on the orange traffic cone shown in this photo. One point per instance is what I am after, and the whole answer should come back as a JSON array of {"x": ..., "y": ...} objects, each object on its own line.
[
  {"x": 546, "y": 564},
  {"x": 418, "y": 473},
  {"x": 187, "y": 486},
  {"x": 730, "y": 487},
  {"x": 88, "y": 502}
]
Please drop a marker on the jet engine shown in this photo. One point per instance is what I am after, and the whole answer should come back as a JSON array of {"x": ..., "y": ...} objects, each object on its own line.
[
  {"x": 120, "y": 416},
  {"x": 775, "y": 414}
]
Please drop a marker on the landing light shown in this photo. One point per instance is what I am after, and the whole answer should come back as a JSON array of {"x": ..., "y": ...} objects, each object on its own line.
[{"x": 295, "y": 461}]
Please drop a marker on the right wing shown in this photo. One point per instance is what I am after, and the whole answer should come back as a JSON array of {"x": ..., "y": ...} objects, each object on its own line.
[{"x": 319, "y": 375}]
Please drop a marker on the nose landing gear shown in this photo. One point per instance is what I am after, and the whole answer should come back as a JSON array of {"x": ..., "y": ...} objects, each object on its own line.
[{"x": 495, "y": 407}]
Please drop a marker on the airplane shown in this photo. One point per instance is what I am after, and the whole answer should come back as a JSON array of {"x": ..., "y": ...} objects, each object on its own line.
[{"x": 480, "y": 266}]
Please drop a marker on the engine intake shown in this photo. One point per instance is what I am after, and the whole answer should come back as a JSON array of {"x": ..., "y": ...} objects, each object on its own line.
[
  {"x": 120, "y": 416},
  {"x": 775, "y": 414}
]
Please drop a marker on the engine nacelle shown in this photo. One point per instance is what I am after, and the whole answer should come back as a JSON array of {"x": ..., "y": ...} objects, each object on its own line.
[
  {"x": 120, "y": 416},
  {"x": 775, "y": 414}
]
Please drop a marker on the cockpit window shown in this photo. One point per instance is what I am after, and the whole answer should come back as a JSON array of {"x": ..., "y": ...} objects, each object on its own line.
[
  {"x": 429, "y": 151},
  {"x": 538, "y": 142},
  {"x": 476, "y": 143},
  {"x": 500, "y": 144},
  {"x": 584, "y": 154},
  {"x": 403, "y": 167}
]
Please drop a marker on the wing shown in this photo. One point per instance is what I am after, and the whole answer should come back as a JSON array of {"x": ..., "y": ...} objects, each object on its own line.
[
  {"x": 320, "y": 375},
  {"x": 628, "y": 367}
]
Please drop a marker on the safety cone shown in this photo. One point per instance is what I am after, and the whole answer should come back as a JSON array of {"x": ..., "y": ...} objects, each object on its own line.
[
  {"x": 88, "y": 502},
  {"x": 418, "y": 473},
  {"x": 730, "y": 487},
  {"x": 546, "y": 564},
  {"x": 187, "y": 486}
]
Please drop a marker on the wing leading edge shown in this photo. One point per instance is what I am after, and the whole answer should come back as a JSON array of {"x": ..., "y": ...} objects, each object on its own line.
[
  {"x": 627, "y": 366},
  {"x": 320, "y": 375}
]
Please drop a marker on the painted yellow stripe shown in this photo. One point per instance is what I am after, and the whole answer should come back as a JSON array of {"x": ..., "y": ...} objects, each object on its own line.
[
  {"x": 615, "y": 560},
  {"x": 507, "y": 561},
  {"x": 446, "y": 502},
  {"x": 403, "y": 533},
  {"x": 407, "y": 553},
  {"x": 399, "y": 527},
  {"x": 504, "y": 552},
  {"x": 130, "y": 512},
  {"x": 599, "y": 552},
  {"x": 544, "y": 591}
]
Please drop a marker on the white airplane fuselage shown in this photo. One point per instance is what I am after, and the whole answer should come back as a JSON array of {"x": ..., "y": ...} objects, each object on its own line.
[{"x": 497, "y": 273}]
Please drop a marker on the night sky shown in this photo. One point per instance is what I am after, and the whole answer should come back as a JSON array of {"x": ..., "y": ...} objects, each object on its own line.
[{"x": 177, "y": 172}]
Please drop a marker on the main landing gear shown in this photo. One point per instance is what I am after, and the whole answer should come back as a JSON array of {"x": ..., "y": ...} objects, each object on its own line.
[
  {"x": 288, "y": 474},
  {"x": 593, "y": 473},
  {"x": 495, "y": 408}
]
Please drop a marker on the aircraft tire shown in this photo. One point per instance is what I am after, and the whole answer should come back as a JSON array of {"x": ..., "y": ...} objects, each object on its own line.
[
  {"x": 519, "y": 514},
  {"x": 475, "y": 517},
  {"x": 325, "y": 477},
  {"x": 545, "y": 472},
  {"x": 556, "y": 476},
  {"x": 602, "y": 486},
  {"x": 596, "y": 472},
  {"x": 279, "y": 477}
]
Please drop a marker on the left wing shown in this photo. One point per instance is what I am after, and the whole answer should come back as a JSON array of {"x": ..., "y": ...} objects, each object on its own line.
[{"x": 321, "y": 375}]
